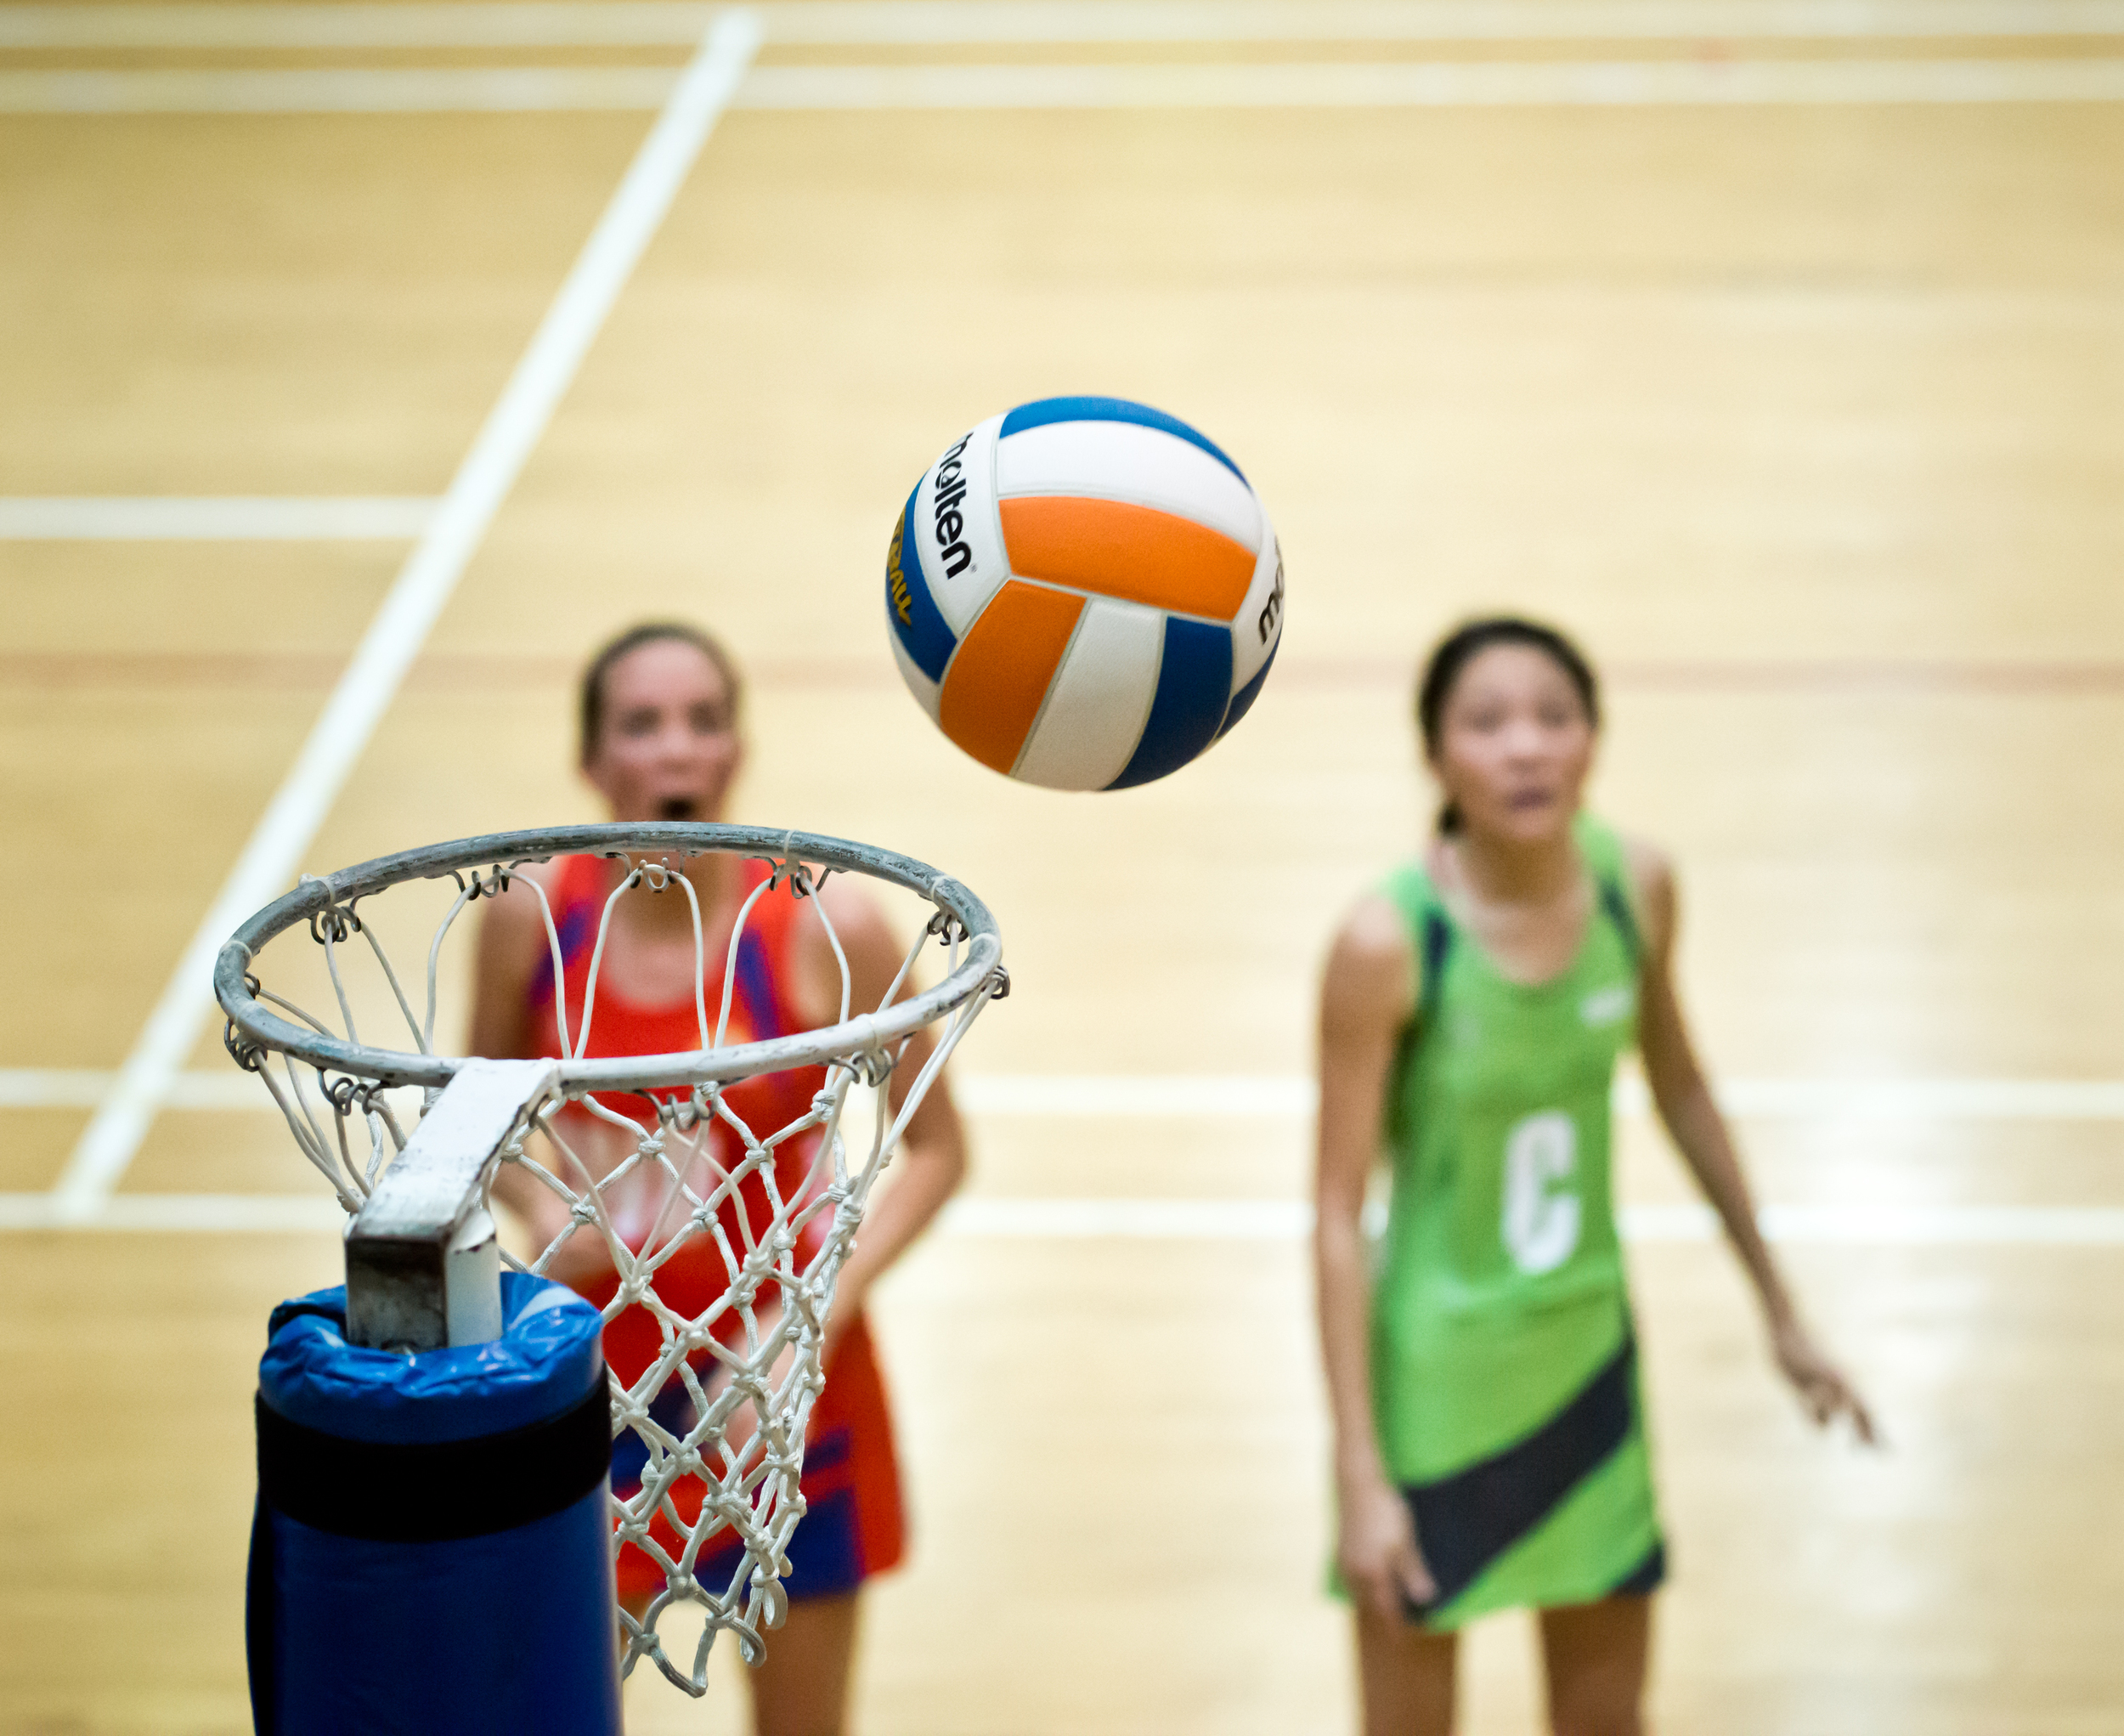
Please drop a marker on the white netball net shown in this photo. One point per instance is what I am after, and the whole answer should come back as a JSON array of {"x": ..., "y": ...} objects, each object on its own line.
[{"x": 718, "y": 1240}]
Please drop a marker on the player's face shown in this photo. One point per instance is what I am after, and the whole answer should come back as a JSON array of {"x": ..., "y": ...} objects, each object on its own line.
[
  {"x": 1515, "y": 745},
  {"x": 668, "y": 749}
]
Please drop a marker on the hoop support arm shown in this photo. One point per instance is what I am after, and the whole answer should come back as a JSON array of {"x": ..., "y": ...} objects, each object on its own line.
[{"x": 423, "y": 1268}]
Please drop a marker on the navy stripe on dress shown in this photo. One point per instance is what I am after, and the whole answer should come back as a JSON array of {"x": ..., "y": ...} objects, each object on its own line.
[
  {"x": 575, "y": 925},
  {"x": 1646, "y": 1578},
  {"x": 1618, "y": 908},
  {"x": 1466, "y": 1520},
  {"x": 755, "y": 986}
]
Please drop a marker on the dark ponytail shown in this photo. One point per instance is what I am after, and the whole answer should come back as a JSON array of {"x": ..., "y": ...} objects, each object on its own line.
[{"x": 1458, "y": 649}]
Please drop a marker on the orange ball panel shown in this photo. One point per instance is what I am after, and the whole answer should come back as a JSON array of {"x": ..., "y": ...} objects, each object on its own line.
[
  {"x": 1001, "y": 671},
  {"x": 1136, "y": 553}
]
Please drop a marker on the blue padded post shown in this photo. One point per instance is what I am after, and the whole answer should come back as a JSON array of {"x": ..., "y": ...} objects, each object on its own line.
[{"x": 432, "y": 1550}]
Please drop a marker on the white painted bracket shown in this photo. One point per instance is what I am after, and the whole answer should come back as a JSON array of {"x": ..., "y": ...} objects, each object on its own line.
[{"x": 423, "y": 1268}]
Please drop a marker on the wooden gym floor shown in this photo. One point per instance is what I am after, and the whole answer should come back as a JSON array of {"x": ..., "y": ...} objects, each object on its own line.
[{"x": 1803, "y": 410}]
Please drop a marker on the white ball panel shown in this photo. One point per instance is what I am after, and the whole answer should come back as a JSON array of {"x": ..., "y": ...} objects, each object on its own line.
[
  {"x": 972, "y": 540},
  {"x": 1099, "y": 700},
  {"x": 1124, "y": 462},
  {"x": 927, "y": 693},
  {"x": 1259, "y": 623}
]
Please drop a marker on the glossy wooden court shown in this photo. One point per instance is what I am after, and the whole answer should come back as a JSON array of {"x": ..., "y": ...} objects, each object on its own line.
[{"x": 1806, "y": 412}]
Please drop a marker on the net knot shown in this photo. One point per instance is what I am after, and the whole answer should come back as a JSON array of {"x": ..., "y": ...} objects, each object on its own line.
[
  {"x": 792, "y": 871},
  {"x": 493, "y": 887},
  {"x": 331, "y": 921},
  {"x": 872, "y": 1068},
  {"x": 246, "y": 1053}
]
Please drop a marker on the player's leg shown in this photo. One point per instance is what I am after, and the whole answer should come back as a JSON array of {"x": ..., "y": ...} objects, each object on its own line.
[
  {"x": 800, "y": 1689},
  {"x": 1406, "y": 1676},
  {"x": 1595, "y": 1655}
]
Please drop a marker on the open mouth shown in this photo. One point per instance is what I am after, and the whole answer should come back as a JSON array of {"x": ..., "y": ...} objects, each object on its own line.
[{"x": 677, "y": 808}]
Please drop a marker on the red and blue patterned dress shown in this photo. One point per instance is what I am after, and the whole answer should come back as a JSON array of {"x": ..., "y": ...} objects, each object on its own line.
[{"x": 853, "y": 1524}]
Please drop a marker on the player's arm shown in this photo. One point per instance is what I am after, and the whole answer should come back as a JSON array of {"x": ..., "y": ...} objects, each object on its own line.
[
  {"x": 930, "y": 1163},
  {"x": 1683, "y": 1098},
  {"x": 1367, "y": 997},
  {"x": 511, "y": 939}
]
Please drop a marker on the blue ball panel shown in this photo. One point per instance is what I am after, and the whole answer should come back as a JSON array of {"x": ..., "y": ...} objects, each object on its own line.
[
  {"x": 1195, "y": 687},
  {"x": 1109, "y": 410},
  {"x": 930, "y": 642},
  {"x": 1243, "y": 700}
]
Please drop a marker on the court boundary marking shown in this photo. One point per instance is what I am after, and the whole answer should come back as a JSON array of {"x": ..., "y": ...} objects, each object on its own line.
[
  {"x": 1112, "y": 1218},
  {"x": 214, "y": 517},
  {"x": 1003, "y": 1218},
  {"x": 1275, "y": 1098},
  {"x": 914, "y": 23},
  {"x": 1261, "y": 1096},
  {"x": 429, "y": 577},
  {"x": 1720, "y": 83}
]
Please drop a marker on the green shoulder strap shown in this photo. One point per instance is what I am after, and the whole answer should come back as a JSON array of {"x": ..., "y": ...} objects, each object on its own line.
[
  {"x": 1410, "y": 889},
  {"x": 1603, "y": 852}
]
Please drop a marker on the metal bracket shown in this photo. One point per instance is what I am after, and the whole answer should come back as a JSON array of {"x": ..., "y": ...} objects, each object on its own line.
[{"x": 423, "y": 1268}]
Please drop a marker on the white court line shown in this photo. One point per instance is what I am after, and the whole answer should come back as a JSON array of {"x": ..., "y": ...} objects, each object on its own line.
[
  {"x": 86, "y": 1088},
  {"x": 213, "y": 518},
  {"x": 275, "y": 850},
  {"x": 1436, "y": 84},
  {"x": 1904, "y": 1099},
  {"x": 1436, "y": 20},
  {"x": 1287, "y": 1220},
  {"x": 629, "y": 22},
  {"x": 1210, "y": 1220},
  {"x": 1328, "y": 85},
  {"x": 407, "y": 90},
  {"x": 1194, "y": 1096},
  {"x": 165, "y": 1213},
  {"x": 1123, "y": 1096}
]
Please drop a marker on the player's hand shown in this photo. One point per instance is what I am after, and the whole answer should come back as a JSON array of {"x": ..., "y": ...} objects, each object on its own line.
[
  {"x": 1376, "y": 1550},
  {"x": 1820, "y": 1384}
]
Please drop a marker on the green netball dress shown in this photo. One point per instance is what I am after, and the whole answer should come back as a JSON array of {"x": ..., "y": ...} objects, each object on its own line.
[{"x": 1503, "y": 1372}]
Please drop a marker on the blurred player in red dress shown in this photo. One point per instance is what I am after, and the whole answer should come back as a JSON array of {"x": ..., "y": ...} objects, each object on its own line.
[{"x": 661, "y": 741}]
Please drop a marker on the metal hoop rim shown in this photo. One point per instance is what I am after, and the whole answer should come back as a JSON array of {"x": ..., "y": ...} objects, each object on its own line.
[{"x": 978, "y": 974}]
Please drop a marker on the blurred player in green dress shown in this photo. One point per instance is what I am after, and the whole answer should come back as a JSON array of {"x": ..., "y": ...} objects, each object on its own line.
[{"x": 1489, "y": 1432}]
